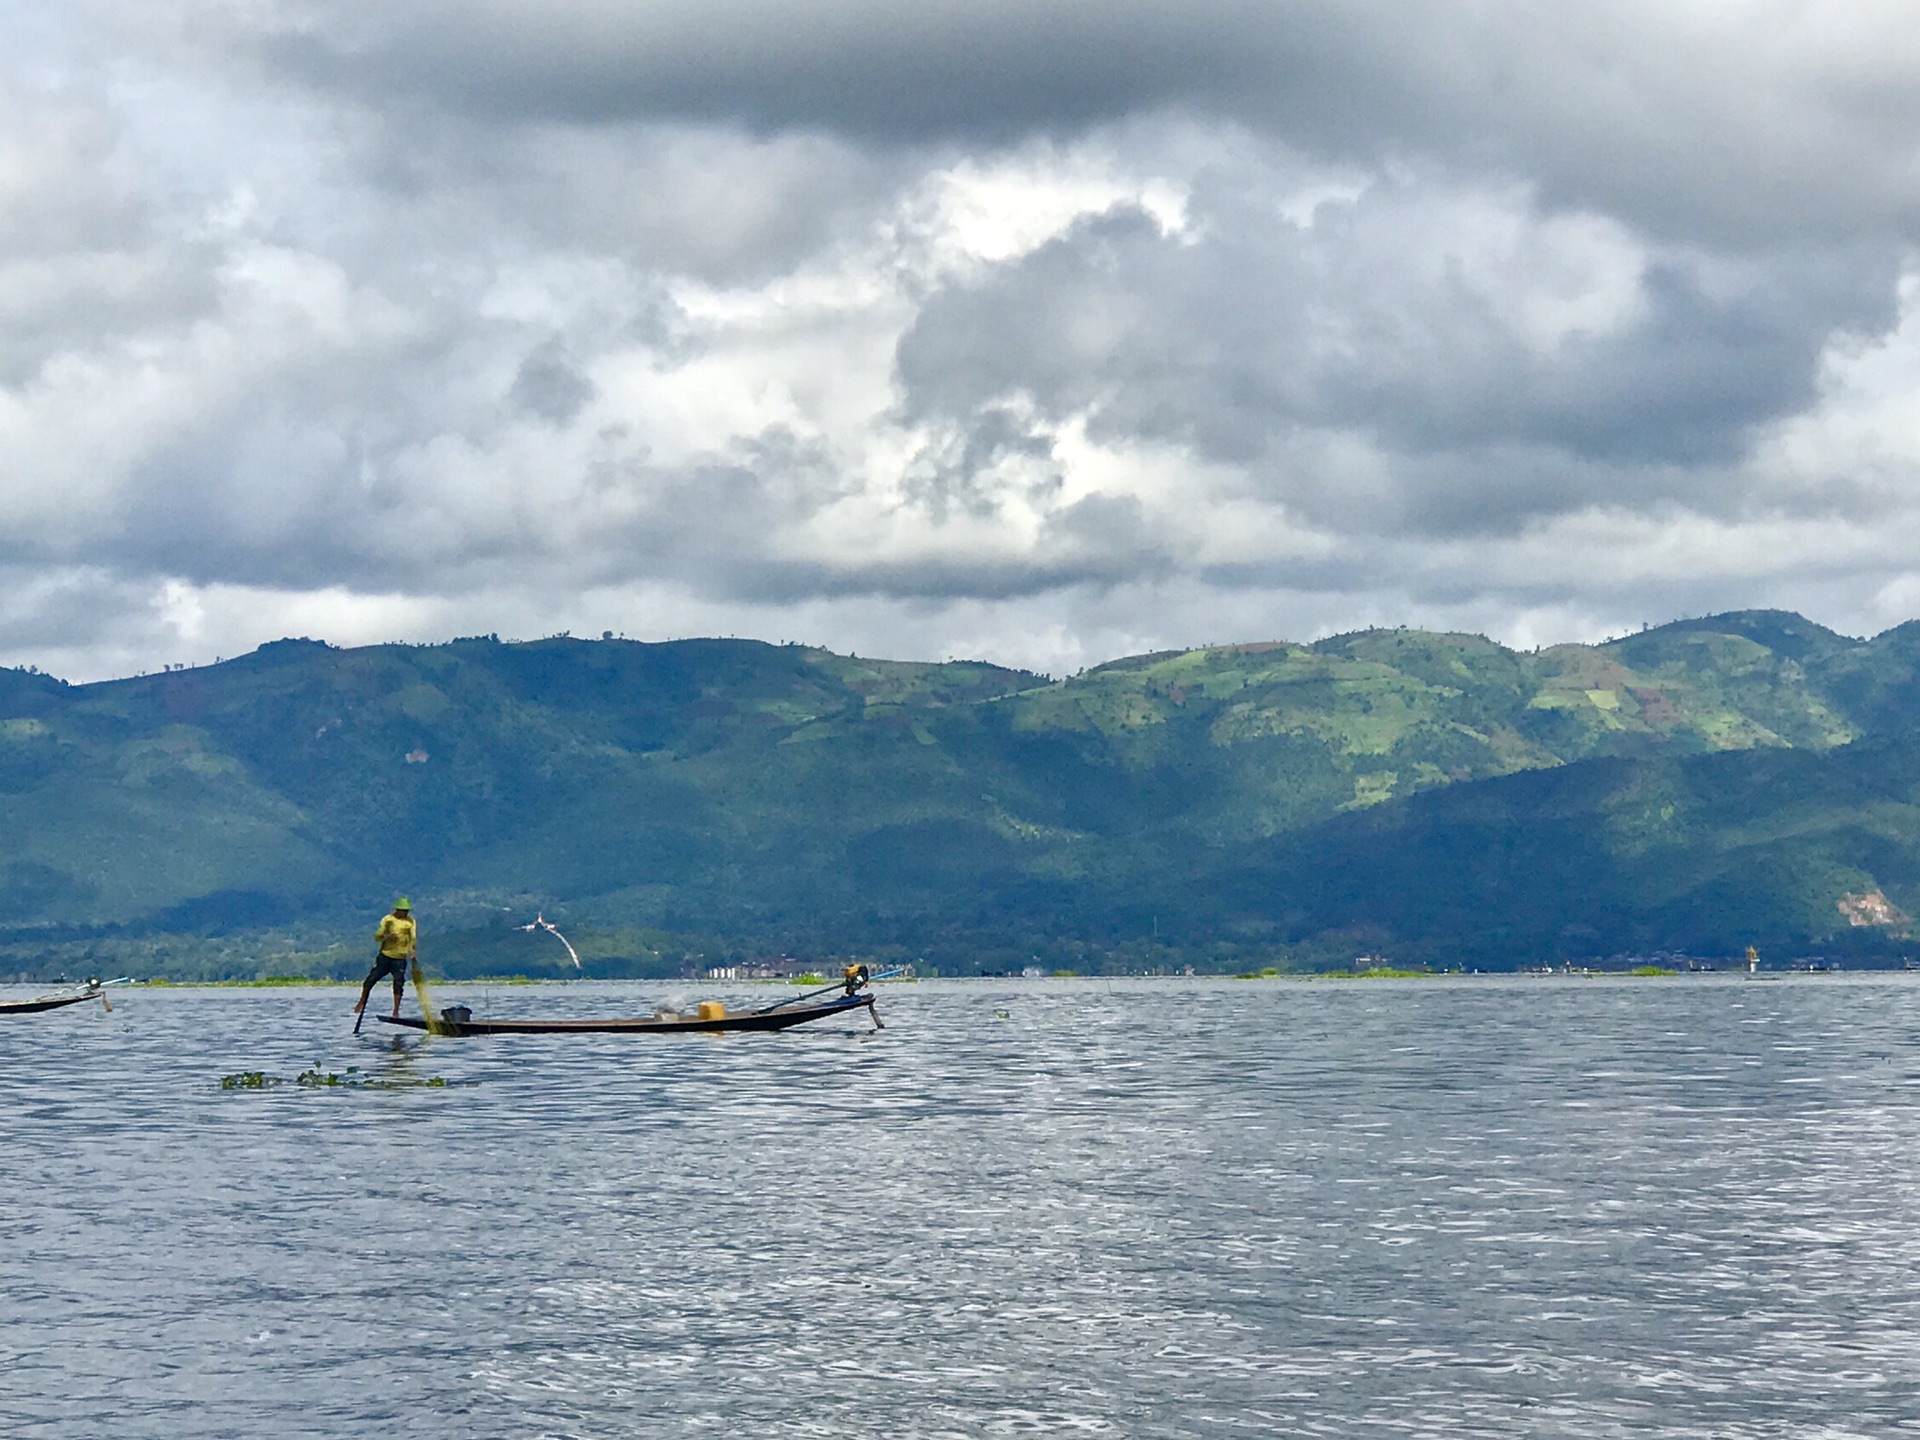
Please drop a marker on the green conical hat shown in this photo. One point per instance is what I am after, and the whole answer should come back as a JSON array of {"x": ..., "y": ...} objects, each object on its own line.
[{"x": 403, "y": 903}]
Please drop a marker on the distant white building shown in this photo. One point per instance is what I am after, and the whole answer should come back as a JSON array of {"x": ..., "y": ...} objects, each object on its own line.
[{"x": 777, "y": 967}]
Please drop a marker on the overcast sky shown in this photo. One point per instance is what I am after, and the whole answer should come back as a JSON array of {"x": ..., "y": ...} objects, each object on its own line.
[{"x": 1042, "y": 331}]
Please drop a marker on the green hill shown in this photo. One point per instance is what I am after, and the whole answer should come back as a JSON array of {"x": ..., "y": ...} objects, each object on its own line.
[
  {"x": 1798, "y": 851},
  {"x": 1691, "y": 785}
]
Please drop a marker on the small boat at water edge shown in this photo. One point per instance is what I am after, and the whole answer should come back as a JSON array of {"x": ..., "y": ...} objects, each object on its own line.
[
  {"x": 92, "y": 990},
  {"x": 48, "y": 1002},
  {"x": 710, "y": 1018}
]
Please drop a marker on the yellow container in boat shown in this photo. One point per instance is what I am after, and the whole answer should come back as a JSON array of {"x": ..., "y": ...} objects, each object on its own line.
[{"x": 712, "y": 1010}]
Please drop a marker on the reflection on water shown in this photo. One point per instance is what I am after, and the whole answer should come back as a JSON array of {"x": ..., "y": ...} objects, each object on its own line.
[{"x": 1485, "y": 1207}]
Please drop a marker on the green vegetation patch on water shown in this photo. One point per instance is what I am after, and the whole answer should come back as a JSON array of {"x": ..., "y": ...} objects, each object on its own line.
[
  {"x": 266, "y": 982},
  {"x": 1378, "y": 972},
  {"x": 315, "y": 1078},
  {"x": 274, "y": 982}
]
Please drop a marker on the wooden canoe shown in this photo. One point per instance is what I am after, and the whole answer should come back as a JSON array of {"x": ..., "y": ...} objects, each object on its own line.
[
  {"x": 779, "y": 1018},
  {"x": 53, "y": 1002}
]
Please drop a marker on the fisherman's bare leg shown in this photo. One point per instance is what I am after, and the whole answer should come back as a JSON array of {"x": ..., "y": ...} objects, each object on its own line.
[
  {"x": 366, "y": 989},
  {"x": 399, "y": 989}
]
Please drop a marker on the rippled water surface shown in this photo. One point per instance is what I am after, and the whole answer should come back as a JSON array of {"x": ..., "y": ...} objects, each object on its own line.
[{"x": 1514, "y": 1207}]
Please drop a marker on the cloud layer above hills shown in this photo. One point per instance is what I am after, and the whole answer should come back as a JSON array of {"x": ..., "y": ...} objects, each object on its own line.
[{"x": 1038, "y": 331}]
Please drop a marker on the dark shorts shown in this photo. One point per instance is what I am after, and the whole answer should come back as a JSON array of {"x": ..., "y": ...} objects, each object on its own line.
[{"x": 394, "y": 965}]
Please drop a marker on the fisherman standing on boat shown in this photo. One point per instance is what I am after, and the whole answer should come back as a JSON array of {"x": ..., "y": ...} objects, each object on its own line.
[{"x": 397, "y": 951}]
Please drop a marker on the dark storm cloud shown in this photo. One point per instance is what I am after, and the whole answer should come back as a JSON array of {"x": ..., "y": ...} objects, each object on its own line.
[
  {"x": 881, "y": 71},
  {"x": 1736, "y": 120}
]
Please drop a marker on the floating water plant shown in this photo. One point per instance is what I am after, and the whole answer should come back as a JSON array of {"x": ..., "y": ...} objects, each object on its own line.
[{"x": 314, "y": 1078}]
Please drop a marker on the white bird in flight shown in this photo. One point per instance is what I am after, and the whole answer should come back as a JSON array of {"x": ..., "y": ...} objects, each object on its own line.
[{"x": 540, "y": 922}]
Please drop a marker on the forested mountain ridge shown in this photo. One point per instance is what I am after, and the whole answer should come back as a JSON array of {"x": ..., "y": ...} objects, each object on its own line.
[{"x": 1432, "y": 794}]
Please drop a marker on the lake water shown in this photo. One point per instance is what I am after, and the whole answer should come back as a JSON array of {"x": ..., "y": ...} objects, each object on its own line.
[{"x": 1494, "y": 1206}]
